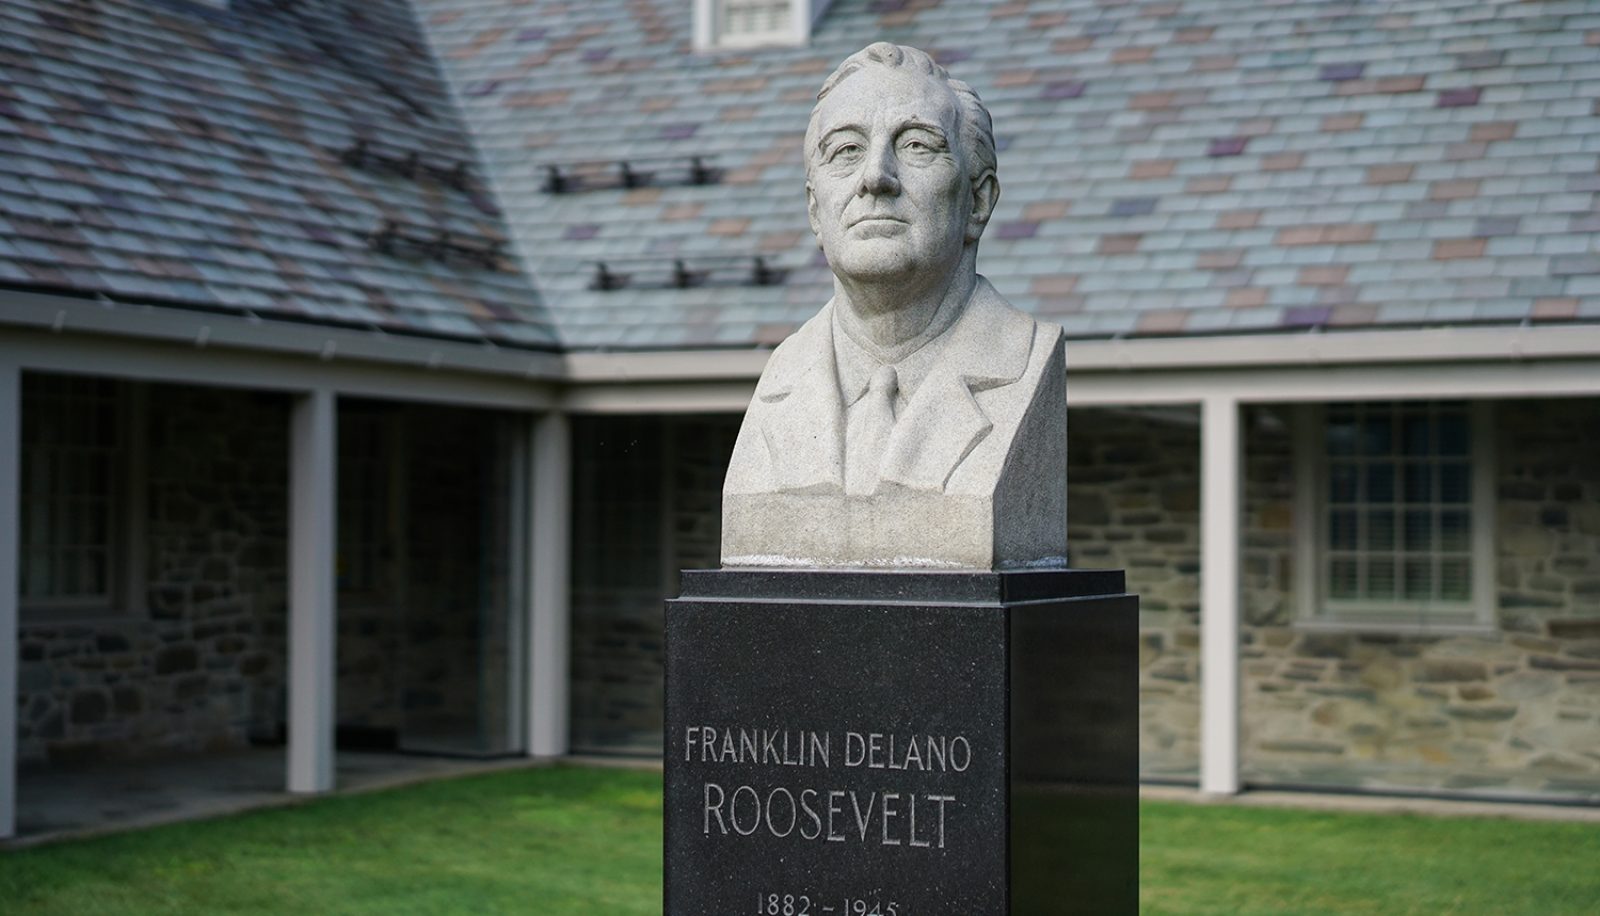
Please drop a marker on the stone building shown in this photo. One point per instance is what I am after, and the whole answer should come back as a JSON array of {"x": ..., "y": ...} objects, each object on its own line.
[{"x": 372, "y": 367}]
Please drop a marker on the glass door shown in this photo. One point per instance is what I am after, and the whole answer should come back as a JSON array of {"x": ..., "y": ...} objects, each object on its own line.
[
  {"x": 430, "y": 541},
  {"x": 459, "y": 646}
]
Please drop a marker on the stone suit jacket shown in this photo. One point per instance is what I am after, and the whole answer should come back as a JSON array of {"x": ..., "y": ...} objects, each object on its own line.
[{"x": 969, "y": 444}]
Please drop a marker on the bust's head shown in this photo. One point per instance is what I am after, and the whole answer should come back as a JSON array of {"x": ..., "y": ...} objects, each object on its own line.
[{"x": 900, "y": 168}]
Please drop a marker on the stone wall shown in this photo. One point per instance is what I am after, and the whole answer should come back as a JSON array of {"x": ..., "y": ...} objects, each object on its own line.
[
  {"x": 1514, "y": 711},
  {"x": 201, "y": 665},
  {"x": 1133, "y": 503}
]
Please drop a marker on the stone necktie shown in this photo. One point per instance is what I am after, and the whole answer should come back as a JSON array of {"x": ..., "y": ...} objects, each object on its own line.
[{"x": 868, "y": 431}]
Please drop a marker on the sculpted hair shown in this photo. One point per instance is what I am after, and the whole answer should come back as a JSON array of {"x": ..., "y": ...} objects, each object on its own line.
[{"x": 977, "y": 128}]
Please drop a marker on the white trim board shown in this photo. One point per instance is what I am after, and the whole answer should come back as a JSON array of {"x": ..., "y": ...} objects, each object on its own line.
[
  {"x": 158, "y": 361},
  {"x": 1257, "y": 351},
  {"x": 1504, "y": 379},
  {"x": 1370, "y": 347},
  {"x": 70, "y": 317},
  {"x": 1305, "y": 368},
  {"x": 55, "y": 333},
  {"x": 672, "y": 392},
  {"x": 661, "y": 397},
  {"x": 1266, "y": 385},
  {"x": 665, "y": 366}
]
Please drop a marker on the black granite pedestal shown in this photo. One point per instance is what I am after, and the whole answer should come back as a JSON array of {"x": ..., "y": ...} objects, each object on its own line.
[{"x": 898, "y": 743}]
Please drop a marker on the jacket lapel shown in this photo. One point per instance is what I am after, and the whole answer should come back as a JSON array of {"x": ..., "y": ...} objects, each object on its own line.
[
  {"x": 940, "y": 427},
  {"x": 989, "y": 346},
  {"x": 802, "y": 419}
]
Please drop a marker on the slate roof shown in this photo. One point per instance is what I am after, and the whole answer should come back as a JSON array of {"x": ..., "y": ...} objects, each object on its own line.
[
  {"x": 168, "y": 151},
  {"x": 1168, "y": 167}
]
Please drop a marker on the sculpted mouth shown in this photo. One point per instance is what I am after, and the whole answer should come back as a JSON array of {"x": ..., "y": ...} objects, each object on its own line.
[{"x": 875, "y": 219}]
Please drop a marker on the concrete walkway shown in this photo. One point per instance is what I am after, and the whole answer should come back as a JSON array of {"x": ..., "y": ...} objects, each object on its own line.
[{"x": 73, "y": 802}]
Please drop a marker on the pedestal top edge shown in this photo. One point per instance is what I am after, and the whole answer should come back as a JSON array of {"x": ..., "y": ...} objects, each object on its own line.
[{"x": 931, "y": 585}]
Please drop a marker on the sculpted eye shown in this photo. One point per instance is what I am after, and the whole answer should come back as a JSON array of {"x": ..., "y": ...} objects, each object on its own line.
[
  {"x": 920, "y": 145},
  {"x": 845, "y": 152}
]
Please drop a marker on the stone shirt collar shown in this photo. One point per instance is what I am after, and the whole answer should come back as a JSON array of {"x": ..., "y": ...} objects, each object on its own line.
[{"x": 856, "y": 365}]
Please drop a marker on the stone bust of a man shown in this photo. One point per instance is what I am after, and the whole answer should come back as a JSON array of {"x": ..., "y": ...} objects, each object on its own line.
[{"x": 918, "y": 420}]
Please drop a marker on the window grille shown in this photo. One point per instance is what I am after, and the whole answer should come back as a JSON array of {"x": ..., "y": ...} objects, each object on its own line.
[
  {"x": 741, "y": 18},
  {"x": 755, "y": 23},
  {"x": 1397, "y": 513},
  {"x": 71, "y": 442}
]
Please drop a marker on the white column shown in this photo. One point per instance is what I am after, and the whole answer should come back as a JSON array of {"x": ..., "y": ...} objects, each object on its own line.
[
  {"x": 312, "y": 543},
  {"x": 549, "y": 551},
  {"x": 10, "y": 532},
  {"x": 1220, "y": 506}
]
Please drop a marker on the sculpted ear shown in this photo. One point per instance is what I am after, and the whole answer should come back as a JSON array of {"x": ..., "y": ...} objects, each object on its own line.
[
  {"x": 985, "y": 194},
  {"x": 811, "y": 214}
]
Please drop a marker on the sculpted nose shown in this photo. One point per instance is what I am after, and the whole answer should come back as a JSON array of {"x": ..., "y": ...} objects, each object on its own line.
[{"x": 879, "y": 174}]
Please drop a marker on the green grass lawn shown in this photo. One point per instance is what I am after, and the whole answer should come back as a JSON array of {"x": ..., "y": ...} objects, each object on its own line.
[
  {"x": 1220, "y": 859},
  {"x": 569, "y": 841}
]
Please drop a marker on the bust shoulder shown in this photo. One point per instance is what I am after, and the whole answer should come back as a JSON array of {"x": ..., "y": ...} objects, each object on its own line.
[{"x": 798, "y": 355}]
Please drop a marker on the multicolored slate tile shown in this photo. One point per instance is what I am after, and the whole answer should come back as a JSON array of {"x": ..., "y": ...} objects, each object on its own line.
[
  {"x": 1189, "y": 166},
  {"x": 177, "y": 153},
  {"x": 1171, "y": 167}
]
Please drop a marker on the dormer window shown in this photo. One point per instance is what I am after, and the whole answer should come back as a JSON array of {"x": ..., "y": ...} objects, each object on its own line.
[
  {"x": 753, "y": 23},
  {"x": 755, "y": 18}
]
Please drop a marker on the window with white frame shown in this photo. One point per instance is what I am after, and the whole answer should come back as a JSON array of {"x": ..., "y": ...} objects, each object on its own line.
[
  {"x": 748, "y": 23},
  {"x": 71, "y": 492},
  {"x": 1400, "y": 525},
  {"x": 764, "y": 18}
]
